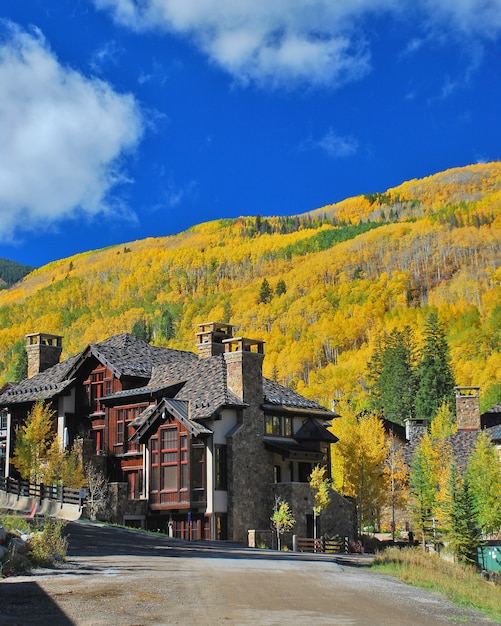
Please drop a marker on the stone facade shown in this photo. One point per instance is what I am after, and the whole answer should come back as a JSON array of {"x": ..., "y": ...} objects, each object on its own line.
[
  {"x": 468, "y": 408},
  {"x": 43, "y": 352},
  {"x": 250, "y": 467}
]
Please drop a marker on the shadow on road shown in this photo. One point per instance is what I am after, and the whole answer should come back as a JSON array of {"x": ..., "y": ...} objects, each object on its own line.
[
  {"x": 87, "y": 539},
  {"x": 27, "y": 603}
]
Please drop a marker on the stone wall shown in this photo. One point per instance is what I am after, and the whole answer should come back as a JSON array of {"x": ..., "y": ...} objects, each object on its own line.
[
  {"x": 250, "y": 466},
  {"x": 339, "y": 518}
]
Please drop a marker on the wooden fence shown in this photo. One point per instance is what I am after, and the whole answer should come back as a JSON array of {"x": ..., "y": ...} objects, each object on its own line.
[
  {"x": 40, "y": 492},
  {"x": 321, "y": 544}
]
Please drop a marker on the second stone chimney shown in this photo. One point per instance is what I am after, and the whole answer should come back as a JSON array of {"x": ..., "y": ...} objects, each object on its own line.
[
  {"x": 43, "y": 351},
  {"x": 468, "y": 408},
  {"x": 244, "y": 368},
  {"x": 210, "y": 337}
]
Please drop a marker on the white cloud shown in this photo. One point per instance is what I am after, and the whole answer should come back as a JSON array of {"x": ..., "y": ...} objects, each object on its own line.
[
  {"x": 61, "y": 135},
  {"x": 334, "y": 145},
  {"x": 281, "y": 43},
  {"x": 337, "y": 146}
]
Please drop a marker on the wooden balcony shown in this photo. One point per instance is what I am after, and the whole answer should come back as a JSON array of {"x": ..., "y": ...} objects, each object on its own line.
[{"x": 165, "y": 500}]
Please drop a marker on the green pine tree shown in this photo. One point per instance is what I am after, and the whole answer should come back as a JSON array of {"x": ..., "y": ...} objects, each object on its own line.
[
  {"x": 141, "y": 329},
  {"x": 265, "y": 293},
  {"x": 435, "y": 377},
  {"x": 391, "y": 375},
  {"x": 280, "y": 288},
  {"x": 460, "y": 518}
]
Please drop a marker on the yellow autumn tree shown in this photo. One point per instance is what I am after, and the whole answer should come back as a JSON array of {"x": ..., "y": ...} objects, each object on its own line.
[{"x": 358, "y": 461}]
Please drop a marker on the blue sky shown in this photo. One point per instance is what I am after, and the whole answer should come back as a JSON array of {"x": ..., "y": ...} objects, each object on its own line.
[{"x": 124, "y": 119}]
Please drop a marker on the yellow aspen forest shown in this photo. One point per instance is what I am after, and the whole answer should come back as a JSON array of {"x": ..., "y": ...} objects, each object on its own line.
[{"x": 339, "y": 276}]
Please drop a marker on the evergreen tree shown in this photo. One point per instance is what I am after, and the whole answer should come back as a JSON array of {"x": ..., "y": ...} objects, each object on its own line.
[
  {"x": 265, "y": 292},
  {"x": 460, "y": 518},
  {"x": 141, "y": 329},
  {"x": 20, "y": 362},
  {"x": 168, "y": 324},
  {"x": 280, "y": 288},
  {"x": 391, "y": 376},
  {"x": 435, "y": 377},
  {"x": 483, "y": 472}
]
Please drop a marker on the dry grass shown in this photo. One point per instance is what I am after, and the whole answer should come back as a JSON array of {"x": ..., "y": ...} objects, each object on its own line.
[{"x": 461, "y": 584}]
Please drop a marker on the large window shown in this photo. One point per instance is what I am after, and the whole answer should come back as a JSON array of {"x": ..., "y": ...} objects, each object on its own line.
[
  {"x": 278, "y": 425},
  {"x": 169, "y": 458}
]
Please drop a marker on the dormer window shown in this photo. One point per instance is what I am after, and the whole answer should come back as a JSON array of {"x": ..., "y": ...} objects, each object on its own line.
[{"x": 278, "y": 426}]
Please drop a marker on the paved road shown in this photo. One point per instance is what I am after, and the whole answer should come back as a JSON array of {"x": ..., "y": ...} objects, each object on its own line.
[{"x": 115, "y": 577}]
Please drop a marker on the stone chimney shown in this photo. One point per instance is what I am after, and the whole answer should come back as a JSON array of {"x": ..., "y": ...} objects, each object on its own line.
[
  {"x": 210, "y": 337},
  {"x": 468, "y": 408},
  {"x": 244, "y": 368},
  {"x": 414, "y": 428},
  {"x": 43, "y": 351}
]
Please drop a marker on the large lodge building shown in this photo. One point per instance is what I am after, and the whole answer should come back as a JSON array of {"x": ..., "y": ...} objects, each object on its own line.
[{"x": 195, "y": 445}]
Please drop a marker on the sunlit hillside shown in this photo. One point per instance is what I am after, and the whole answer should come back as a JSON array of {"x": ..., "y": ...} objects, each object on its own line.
[{"x": 350, "y": 270}]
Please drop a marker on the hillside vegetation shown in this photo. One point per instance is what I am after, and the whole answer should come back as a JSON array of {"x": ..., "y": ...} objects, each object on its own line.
[
  {"x": 337, "y": 276},
  {"x": 11, "y": 272}
]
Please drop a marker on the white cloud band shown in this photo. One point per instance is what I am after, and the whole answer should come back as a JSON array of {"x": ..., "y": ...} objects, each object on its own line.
[
  {"x": 62, "y": 135},
  {"x": 279, "y": 42}
]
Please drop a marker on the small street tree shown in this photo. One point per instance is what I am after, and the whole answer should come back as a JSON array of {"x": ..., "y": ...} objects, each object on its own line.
[
  {"x": 321, "y": 492},
  {"x": 282, "y": 519},
  {"x": 97, "y": 492},
  {"x": 33, "y": 441}
]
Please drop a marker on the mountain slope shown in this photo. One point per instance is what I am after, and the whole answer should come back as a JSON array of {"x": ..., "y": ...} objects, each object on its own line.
[{"x": 350, "y": 270}]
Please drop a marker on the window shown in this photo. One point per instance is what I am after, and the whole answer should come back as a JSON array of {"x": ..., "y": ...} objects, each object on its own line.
[
  {"x": 99, "y": 384},
  {"x": 169, "y": 458},
  {"x": 278, "y": 426},
  {"x": 183, "y": 444},
  {"x": 221, "y": 477},
  {"x": 3, "y": 420}
]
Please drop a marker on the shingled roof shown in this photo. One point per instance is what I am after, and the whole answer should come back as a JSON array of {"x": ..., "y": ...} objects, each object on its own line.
[
  {"x": 276, "y": 395},
  {"x": 168, "y": 373},
  {"x": 126, "y": 355},
  {"x": 43, "y": 386}
]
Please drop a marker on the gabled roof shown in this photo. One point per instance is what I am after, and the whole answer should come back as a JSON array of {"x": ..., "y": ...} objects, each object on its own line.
[
  {"x": 166, "y": 410},
  {"x": 311, "y": 430},
  {"x": 126, "y": 355}
]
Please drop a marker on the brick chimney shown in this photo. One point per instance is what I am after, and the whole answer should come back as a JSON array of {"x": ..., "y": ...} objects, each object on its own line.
[
  {"x": 468, "y": 408},
  {"x": 43, "y": 351},
  {"x": 210, "y": 337},
  {"x": 244, "y": 368}
]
